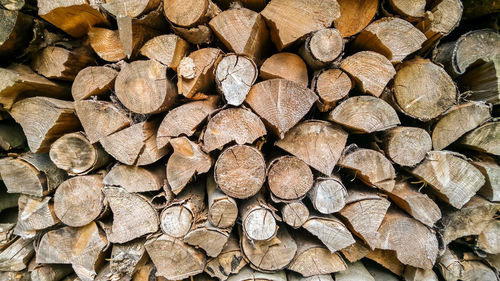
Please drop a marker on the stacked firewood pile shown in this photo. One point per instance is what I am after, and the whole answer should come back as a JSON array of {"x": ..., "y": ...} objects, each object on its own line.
[{"x": 249, "y": 140}]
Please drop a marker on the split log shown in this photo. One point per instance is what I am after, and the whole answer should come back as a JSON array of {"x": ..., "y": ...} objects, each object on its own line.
[
  {"x": 322, "y": 47},
  {"x": 49, "y": 119},
  {"x": 187, "y": 161},
  {"x": 289, "y": 178},
  {"x": 30, "y": 174},
  {"x": 34, "y": 215},
  {"x": 355, "y": 15},
  {"x": 16, "y": 27},
  {"x": 392, "y": 37},
  {"x": 229, "y": 261},
  {"x": 100, "y": 119},
  {"x": 222, "y": 209},
  {"x": 234, "y": 76},
  {"x": 201, "y": 34},
  {"x": 365, "y": 114},
  {"x": 354, "y": 271},
  {"x": 93, "y": 81},
  {"x": 50, "y": 272},
  {"x": 485, "y": 138},
  {"x": 491, "y": 172},
  {"x": 356, "y": 251},
  {"x": 127, "y": 258},
  {"x": 144, "y": 272},
  {"x": 292, "y": 276},
  {"x": 196, "y": 72},
  {"x": 453, "y": 178},
  {"x": 6, "y": 239},
  {"x": 17, "y": 275},
  {"x": 63, "y": 246},
  {"x": 476, "y": 270},
  {"x": 387, "y": 259},
  {"x": 371, "y": 167},
  {"x": 136, "y": 179},
  {"x": 258, "y": 219},
  {"x": 7, "y": 200},
  {"x": 420, "y": 97},
  {"x": 62, "y": 64},
  {"x": 331, "y": 85},
  {"x": 79, "y": 200},
  {"x": 143, "y": 87},
  {"x": 406, "y": 146},
  {"x": 409, "y": 10},
  {"x": 185, "y": 119},
  {"x": 188, "y": 14},
  {"x": 488, "y": 241},
  {"x": 289, "y": 103},
  {"x": 289, "y": 21},
  {"x": 208, "y": 237},
  {"x": 11, "y": 136},
  {"x": 17, "y": 255},
  {"x": 233, "y": 124},
  {"x": 371, "y": 71},
  {"x": 287, "y": 66},
  {"x": 330, "y": 230},
  {"x": 419, "y": 274},
  {"x": 248, "y": 274},
  {"x": 482, "y": 83},
  {"x": 106, "y": 44},
  {"x": 133, "y": 215},
  {"x": 242, "y": 31},
  {"x": 295, "y": 214},
  {"x": 328, "y": 195},
  {"x": 168, "y": 49},
  {"x": 459, "y": 120},
  {"x": 162, "y": 199},
  {"x": 173, "y": 259}
]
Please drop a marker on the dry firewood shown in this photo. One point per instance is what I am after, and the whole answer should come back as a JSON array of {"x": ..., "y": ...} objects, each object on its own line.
[
  {"x": 229, "y": 261},
  {"x": 187, "y": 161},
  {"x": 419, "y": 96},
  {"x": 289, "y": 178},
  {"x": 173, "y": 259},
  {"x": 30, "y": 174},
  {"x": 488, "y": 241},
  {"x": 491, "y": 172},
  {"x": 15, "y": 31},
  {"x": 11, "y": 136},
  {"x": 269, "y": 255},
  {"x": 371, "y": 167},
  {"x": 406, "y": 146},
  {"x": 13, "y": 5},
  {"x": 201, "y": 34},
  {"x": 233, "y": 124},
  {"x": 127, "y": 258},
  {"x": 249, "y": 274},
  {"x": 331, "y": 85},
  {"x": 373, "y": 209},
  {"x": 136, "y": 179},
  {"x": 288, "y": 21},
  {"x": 234, "y": 76},
  {"x": 356, "y": 251},
  {"x": 7, "y": 200},
  {"x": 355, "y": 271},
  {"x": 50, "y": 272},
  {"x": 76, "y": 155},
  {"x": 19, "y": 81},
  {"x": 322, "y": 47},
  {"x": 6, "y": 237},
  {"x": 409, "y": 10},
  {"x": 196, "y": 72},
  {"x": 48, "y": 120},
  {"x": 17, "y": 255},
  {"x": 208, "y": 237},
  {"x": 292, "y": 276},
  {"x": 355, "y": 15},
  {"x": 459, "y": 120},
  {"x": 387, "y": 259},
  {"x": 143, "y": 272},
  {"x": 280, "y": 103},
  {"x": 453, "y": 178},
  {"x": 222, "y": 209},
  {"x": 135, "y": 145},
  {"x": 93, "y": 81},
  {"x": 295, "y": 214},
  {"x": 242, "y": 31},
  {"x": 330, "y": 230},
  {"x": 287, "y": 66},
  {"x": 161, "y": 200},
  {"x": 258, "y": 219},
  {"x": 133, "y": 215},
  {"x": 317, "y": 143},
  {"x": 64, "y": 246},
  {"x": 101, "y": 118},
  {"x": 185, "y": 119},
  {"x": 106, "y": 44},
  {"x": 371, "y": 71},
  {"x": 418, "y": 274},
  {"x": 313, "y": 258},
  {"x": 34, "y": 215},
  {"x": 79, "y": 200},
  {"x": 182, "y": 214},
  {"x": 17, "y": 275},
  {"x": 381, "y": 274},
  {"x": 143, "y": 87},
  {"x": 476, "y": 270},
  {"x": 482, "y": 83},
  {"x": 394, "y": 38},
  {"x": 485, "y": 138},
  {"x": 188, "y": 14},
  {"x": 328, "y": 195},
  {"x": 168, "y": 49}
]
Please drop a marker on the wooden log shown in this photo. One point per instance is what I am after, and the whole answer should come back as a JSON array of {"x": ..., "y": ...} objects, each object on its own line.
[
  {"x": 145, "y": 271},
  {"x": 283, "y": 16},
  {"x": 411, "y": 11},
  {"x": 16, "y": 27},
  {"x": 126, "y": 259},
  {"x": 11, "y": 136},
  {"x": 322, "y": 47},
  {"x": 392, "y": 37},
  {"x": 453, "y": 178},
  {"x": 196, "y": 72},
  {"x": 417, "y": 101},
  {"x": 173, "y": 259},
  {"x": 185, "y": 119},
  {"x": 289, "y": 103},
  {"x": 222, "y": 209},
  {"x": 476, "y": 270},
  {"x": 229, "y": 261},
  {"x": 453, "y": 125},
  {"x": 161, "y": 200},
  {"x": 331, "y": 85},
  {"x": 63, "y": 246},
  {"x": 50, "y": 272},
  {"x": 491, "y": 172},
  {"x": 370, "y": 70},
  {"x": 201, "y": 34},
  {"x": 135, "y": 178},
  {"x": 100, "y": 119},
  {"x": 355, "y": 15},
  {"x": 258, "y": 219},
  {"x": 168, "y": 49},
  {"x": 34, "y": 215},
  {"x": 133, "y": 215},
  {"x": 388, "y": 260},
  {"x": 287, "y": 66},
  {"x": 328, "y": 195},
  {"x": 356, "y": 251},
  {"x": 406, "y": 146},
  {"x": 188, "y": 14},
  {"x": 289, "y": 178},
  {"x": 106, "y": 44},
  {"x": 233, "y": 124},
  {"x": 143, "y": 87},
  {"x": 17, "y": 255},
  {"x": 30, "y": 174},
  {"x": 488, "y": 240},
  {"x": 234, "y": 76},
  {"x": 419, "y": 274},
  {"x": 482, "y": 83},
  {"x": 292, "y": 276},
  {"x": 49, "y": 119},
  {"x": 364, "y": 114},
  {"x": 16, "y": 275},
  {"x": 295, "y": 214},
  {"x": 248, "y": 274},
  {"x": 208, "y": 237},
  {"x": 93, "y": 81},
  {"x": 354, "y": 271},
  {"x": 6, "y": 237},
  {"x": 242, "y": 31},
  {"x": 7, "y": 200},
  {"x": 485, "y": 138},
  {"x": 330, "y": 230}
]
